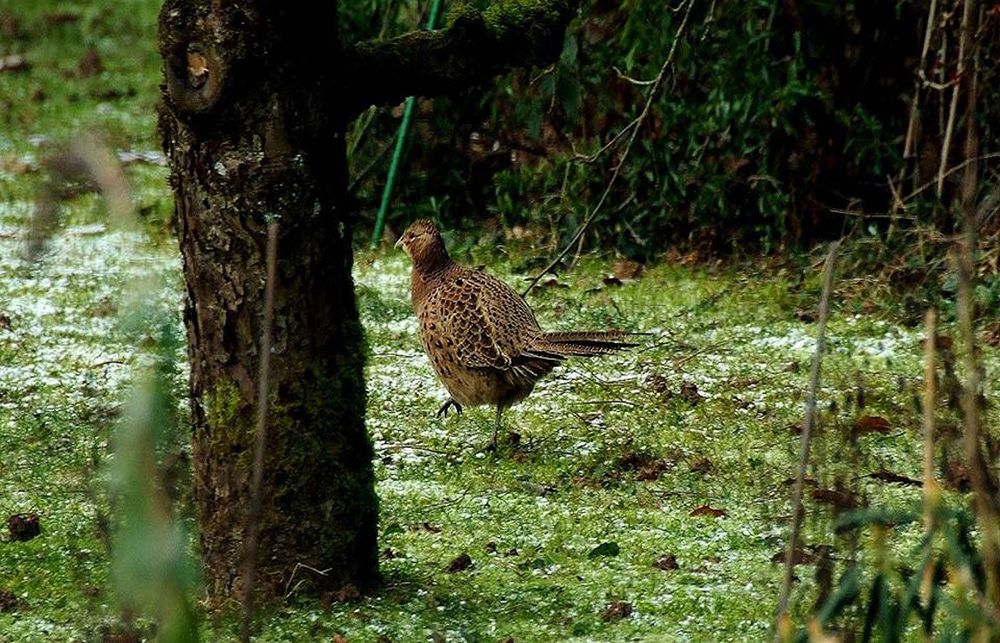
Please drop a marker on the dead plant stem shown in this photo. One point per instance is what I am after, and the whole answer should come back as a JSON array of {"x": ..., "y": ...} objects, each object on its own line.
[
  {"x": 252, "y": 529},
  {"x": 807, "y": 429}
]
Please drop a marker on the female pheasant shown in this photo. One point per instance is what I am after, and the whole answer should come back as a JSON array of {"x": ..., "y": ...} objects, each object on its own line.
[{"x": 481, "y": 337}]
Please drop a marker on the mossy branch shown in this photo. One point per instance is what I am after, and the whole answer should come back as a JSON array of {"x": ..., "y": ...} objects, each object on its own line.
[{"x": 476, "y": 46}]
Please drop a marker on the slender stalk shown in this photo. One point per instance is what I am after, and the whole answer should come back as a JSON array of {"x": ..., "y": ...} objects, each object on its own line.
[
  {"x": 911, "y": 128},
  {"x": 807, "y": 429},
  {"x": 931, "y": 490},
  {"x": 252, "y": 530},
  {"x": 963, "y": 41}
]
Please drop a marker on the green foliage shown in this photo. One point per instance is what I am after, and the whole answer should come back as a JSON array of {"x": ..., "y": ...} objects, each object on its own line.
[
  {"x": 938, "y": 594},
  {"x": 153, "y": 569},
  {"x": 760, "y": 135}
]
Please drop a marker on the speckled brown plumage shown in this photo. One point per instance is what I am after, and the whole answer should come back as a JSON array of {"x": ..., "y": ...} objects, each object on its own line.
[{"x": 481, "y": 337}]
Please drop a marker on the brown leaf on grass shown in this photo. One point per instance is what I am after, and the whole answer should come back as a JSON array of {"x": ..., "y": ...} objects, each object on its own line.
[
  {"x": 805, "y": 315},
  {"x": 701, "y": 465},
  {"x": 955, "y": 476},
  {"x": 24, "y": 526},
  {"x": 4, "y": 321},
  {"x": 616, "y": 611},
  {"x": 991, "y": 334},
  {"x": 705, "y": 510},
  {"x": 612, "y": 280},
  {"x": 426, "y": 526},
  {"x": 14, "y": 62},
  {"x": 658, "y": 383},
  {"x": 806, "y": 482},
  {"x": 339, "y": 638},
  {"x": 733, "y": 164},
  {"x": 689, "y": 393},
  {"x": 55, "y": 18},
  {"x": 653, "y": 470},
  {"x": 10, "y": 25},
  {"x": 799, "y": 557},
  {"x": 460, "y": 563},
  {"x": 628, "y": 270},
  {"x": 90, "y": 64},
  {"x": 941, "y": 342},
  {"x": 346, "y": 594},
  {"x": 8, "y": 601},
  {"x": 838, "y": 498},
  {"x": 871, "y": 424},
  {"x": 666, "y": 562},
  {"x": 895, "y": 478}
]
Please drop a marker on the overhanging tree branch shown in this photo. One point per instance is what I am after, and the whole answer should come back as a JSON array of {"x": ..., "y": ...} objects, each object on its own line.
[{"x": 474, "y": 47}]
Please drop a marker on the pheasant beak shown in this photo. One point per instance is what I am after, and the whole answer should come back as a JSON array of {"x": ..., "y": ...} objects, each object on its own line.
[{"x": 399, "y": 244}]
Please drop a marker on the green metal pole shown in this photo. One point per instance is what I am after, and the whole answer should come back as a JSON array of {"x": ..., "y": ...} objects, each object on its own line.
[{"x": 397, "y": 152}]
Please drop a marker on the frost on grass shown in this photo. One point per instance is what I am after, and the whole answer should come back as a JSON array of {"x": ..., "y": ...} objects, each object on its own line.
[{"x": 530, "y": 516}]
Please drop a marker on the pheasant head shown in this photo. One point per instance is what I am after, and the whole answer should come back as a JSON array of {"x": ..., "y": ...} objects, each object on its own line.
[{"x": 424, "y": 244}]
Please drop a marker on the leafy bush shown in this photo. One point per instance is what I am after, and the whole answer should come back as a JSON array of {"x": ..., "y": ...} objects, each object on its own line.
[{"x": 776, "y": 119}]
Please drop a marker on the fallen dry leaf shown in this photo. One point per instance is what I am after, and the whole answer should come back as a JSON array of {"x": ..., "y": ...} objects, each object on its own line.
[
  {"x": 838, "y": 498},
  {"x": 799, "y": 557},
  {"x": 616, "y": 611},
  {"x": 871, "y": 424},
  {"x": 90, "y": 64},
  {"x": 61, "y": 17},
  {"x": 666, "y": 562},
  {"x": 8, "y": 601},
  {"x": 460, "y": 563},
  {"x": 24, "y": 526},
  {"x": 705, "y": 510},
  {"x": 627, "y": 270},
  {"x": 889, "y": 476}
]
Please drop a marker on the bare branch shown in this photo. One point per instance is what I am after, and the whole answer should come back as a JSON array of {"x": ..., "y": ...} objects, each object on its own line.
[
  {"x": 634, "y": 128},
  {"x": 476, "y": 46}
]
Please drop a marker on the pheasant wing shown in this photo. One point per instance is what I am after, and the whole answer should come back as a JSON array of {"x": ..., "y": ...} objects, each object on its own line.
[{"x": 488, "y": 322}]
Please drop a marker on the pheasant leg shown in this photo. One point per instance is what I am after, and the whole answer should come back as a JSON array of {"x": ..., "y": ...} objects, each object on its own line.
[
  {"x": 443, "y": 411},
  {"x": 492, "y": 444}
]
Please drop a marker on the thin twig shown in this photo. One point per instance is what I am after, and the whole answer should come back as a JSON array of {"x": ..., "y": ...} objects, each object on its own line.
[
  {"x": 653, "y": 91},
  {"x": 931, "y": 491},
  {"x": 958, "y": 168},
  {"x": 967, "y": 9},
  {"x": 807, "y": 428},
  {"x": 911, "y": 128},
  {"x": 252, "y": 530}
]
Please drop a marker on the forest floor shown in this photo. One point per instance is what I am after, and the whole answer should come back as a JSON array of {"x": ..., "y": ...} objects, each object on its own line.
[{"x": 642, "y": 496}]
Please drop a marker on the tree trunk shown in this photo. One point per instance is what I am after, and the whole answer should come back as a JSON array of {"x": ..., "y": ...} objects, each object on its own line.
[{"x": 251, "y": 125}]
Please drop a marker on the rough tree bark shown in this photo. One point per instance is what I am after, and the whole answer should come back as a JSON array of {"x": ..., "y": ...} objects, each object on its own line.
[{"x": 256, "y": 99}]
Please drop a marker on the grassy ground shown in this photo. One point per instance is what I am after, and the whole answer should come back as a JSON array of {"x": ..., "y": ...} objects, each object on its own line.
[{"x": 678, "y": 451}]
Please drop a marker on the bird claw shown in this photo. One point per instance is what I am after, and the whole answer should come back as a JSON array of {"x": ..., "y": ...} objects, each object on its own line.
[{"x": 443, "y": 411}]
